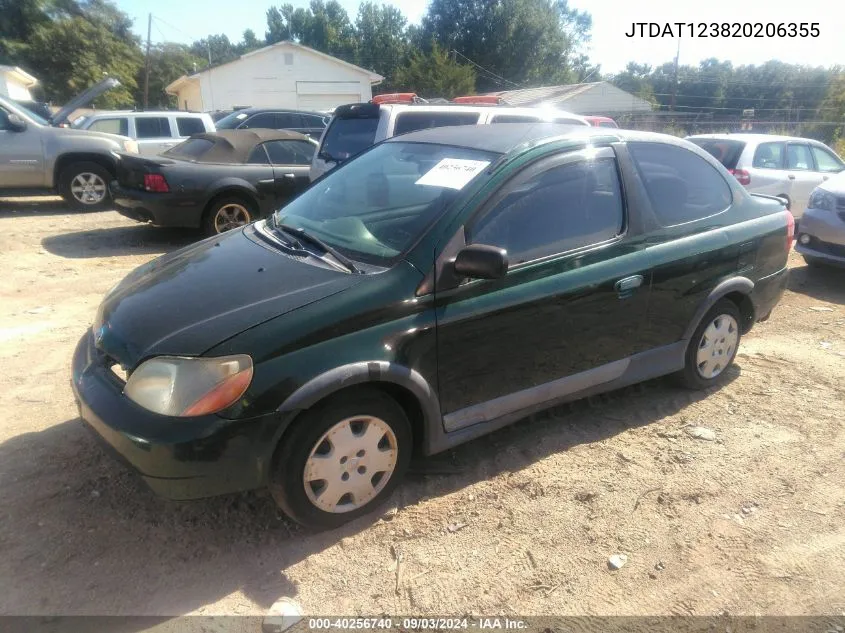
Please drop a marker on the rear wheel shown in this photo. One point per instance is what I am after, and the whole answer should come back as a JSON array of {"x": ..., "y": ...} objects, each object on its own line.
[
  {"x": 712, "y": 347},
  {"x": 85, "y": 185},
  {"x": 227, "y": 213},
  {"x": 342, "y": 458}
]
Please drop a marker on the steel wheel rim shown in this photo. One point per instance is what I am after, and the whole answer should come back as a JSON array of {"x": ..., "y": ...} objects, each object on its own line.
[
  {"x": 88, "y": 188},
  {"x": 230, "y": 216},
  {"x": 350, "y": 464},
  {"x": 717, "y": 346}
]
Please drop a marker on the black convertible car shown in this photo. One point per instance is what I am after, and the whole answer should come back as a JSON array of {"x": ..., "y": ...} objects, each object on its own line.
[{"x": 216, "y": 181}]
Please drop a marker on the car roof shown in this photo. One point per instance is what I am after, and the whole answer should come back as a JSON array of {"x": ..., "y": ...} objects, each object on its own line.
[
  {"x": 234, "y": 146},
  {"x": 504, "y": 137},
  {"x": 286, "y": 110},
  {"x": 753, "y": 138},
  {"x": 112, "y": 113}
]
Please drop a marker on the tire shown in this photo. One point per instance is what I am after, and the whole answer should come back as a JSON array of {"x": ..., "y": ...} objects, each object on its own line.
[
  {"x": 85, "y": 185},
  {"x": 227, "y": 213},
  {"x": 295, "y": 481},
  {"x": 702, "y": 370}
]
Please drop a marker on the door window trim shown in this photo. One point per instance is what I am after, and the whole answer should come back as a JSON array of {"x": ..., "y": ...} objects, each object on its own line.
[{"x": 786, "y": 166}]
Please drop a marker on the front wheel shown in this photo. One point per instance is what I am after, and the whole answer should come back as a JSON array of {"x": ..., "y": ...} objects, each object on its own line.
[
  {"x": 712, "y": 347},
  {"x": 342, "y": 458},
  {"x": 84, "y": 185}
]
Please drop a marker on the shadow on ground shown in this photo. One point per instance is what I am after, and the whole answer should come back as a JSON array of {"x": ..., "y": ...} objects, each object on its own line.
[
  {"x": 824, "y": 283},
  {"x": 119, "y": 241},
  {"x": 82, "y": 534}
]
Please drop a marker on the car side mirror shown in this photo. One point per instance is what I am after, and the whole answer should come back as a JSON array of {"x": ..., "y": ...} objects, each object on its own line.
[
  {"x": 16, "y": 123},
  {"x": 480, "y": 261}
]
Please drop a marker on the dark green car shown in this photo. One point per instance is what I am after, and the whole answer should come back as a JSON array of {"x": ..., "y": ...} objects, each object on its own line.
[{"x": 441, "y": 285}]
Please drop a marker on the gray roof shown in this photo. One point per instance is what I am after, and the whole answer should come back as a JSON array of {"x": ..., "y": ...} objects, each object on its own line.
[
  {"x": 550, "y": 94},
  {"x": 593, "y": 98}
]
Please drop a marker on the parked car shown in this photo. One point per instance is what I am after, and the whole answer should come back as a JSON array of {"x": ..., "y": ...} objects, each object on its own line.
[
  {"x": 601, "y": 121},
  {"x": 38, "y": 158},
  {"x": 39, "y": 108},
  {"x": 821, "y": 234},
  {"x": 357, "y": 126},
  {"x": 784, "y": 166},
  {"x": 439, "y": 286},
  {"x": 216, "y": 181},
  {"x": 155, "y": 131},
  {"x": 310, "y": 123}
]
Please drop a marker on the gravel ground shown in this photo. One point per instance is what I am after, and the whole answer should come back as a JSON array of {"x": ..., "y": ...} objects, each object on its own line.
[{"x": 749, "y": 521}]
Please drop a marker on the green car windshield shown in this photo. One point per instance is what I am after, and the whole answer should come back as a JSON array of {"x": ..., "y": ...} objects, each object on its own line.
[{"x": 375, "y": 207}]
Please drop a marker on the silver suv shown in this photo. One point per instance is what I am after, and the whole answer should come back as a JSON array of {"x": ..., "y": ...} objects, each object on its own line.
[
  {"x": 156, "y": 132},
  {"x": 784, "y": 166},
  {"x": 36, "y": 158},
  {"x": 357, "y": 126}
]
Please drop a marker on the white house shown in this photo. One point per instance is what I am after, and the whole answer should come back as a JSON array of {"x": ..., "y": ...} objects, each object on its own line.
[
  {"x": 599, "y": 98},
  {"x": 16, "y": 82},
  {"x": 284, "y": 75}
]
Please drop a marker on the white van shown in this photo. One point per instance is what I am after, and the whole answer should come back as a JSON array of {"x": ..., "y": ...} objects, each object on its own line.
[
  {"x": 154, "y": 131},
  {"x": 357, "y": 126}
]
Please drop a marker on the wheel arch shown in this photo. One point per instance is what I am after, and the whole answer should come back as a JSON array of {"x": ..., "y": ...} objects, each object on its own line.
[
  {"x": 67, "y": 159},
  {"x": 736, "y": 289},
  {"x": 407, "y": 386},
  {"x": 235, "y": 188}
]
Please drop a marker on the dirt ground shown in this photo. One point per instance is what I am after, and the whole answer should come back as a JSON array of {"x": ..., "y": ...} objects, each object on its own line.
[{"x": 520, "y": 522}]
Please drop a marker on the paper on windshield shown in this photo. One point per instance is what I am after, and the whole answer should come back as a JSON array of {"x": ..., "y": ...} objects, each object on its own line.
[{"x": 453, "y": 173}]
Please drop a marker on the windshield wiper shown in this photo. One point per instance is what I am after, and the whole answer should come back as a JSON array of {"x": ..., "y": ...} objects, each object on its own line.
[{"x": 300, "y": 233}]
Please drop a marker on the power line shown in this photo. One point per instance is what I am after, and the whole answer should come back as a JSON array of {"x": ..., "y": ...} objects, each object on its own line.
[{"x": 491, "y": 74}]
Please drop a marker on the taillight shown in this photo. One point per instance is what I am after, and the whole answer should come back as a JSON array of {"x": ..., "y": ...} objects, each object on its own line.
[
  {"x": 742, "y": 176},
  {"x": 156, "y": 183},
  {"x": 790, "y": 230}
]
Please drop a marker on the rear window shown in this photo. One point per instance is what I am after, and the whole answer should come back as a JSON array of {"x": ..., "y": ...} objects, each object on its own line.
[
  {"x": 152, "y": 127},
  {"x": 514, "y": 118},
  {"x": 413, "y": 121},
  {"x": 347, "y": 137},
  {"x": 564, "y": 121},
  {"x": 191, "y": 149},
  {"x": 681, "y": 185},
  {"x": 607, "y": 124},
  {"x": 188, "y": 126},
  {"x": 726, "y": 152}
]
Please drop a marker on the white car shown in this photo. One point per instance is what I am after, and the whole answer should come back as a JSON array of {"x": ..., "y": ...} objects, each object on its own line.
[
  {"x": 155, "y": 132},
  {"x": 784, "y": 166},
  {"x": 357, "y": 126}
]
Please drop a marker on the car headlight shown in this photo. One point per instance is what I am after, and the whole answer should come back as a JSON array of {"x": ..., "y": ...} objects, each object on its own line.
[
  {"x": 130, "y": 146},
  {"x": 821, "y": 199},
  {"x": 187, "y": 387}
]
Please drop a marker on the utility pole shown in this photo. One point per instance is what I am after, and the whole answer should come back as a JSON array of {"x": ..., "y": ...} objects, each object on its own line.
[
  {"x": 147, "y": 64},
  {"x": 675, "y": 78}
]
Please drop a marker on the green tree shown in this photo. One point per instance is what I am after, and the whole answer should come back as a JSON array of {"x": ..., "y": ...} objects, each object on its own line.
[
  {"x": 515, "y": 42},
  {"x": 215, "y": 50},
  {"x": 323, "y": 26},
  {"x": 436, "y": 74},
  {"x": 168, "y": 61},
  {"x": 249, "y": 42},
  {"x": 71, "y": 54},
  {"x": 382, "y": 44}
]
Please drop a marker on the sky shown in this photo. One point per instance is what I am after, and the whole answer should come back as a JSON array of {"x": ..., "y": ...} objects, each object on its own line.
[{"x": 187, "y": 20}]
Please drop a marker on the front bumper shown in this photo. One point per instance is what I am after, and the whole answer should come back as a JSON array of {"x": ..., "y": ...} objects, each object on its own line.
[
  {"x": 178, "y": 458},
  {"x": 161, "y": 209},
  {"x": 825, "y": 235}
]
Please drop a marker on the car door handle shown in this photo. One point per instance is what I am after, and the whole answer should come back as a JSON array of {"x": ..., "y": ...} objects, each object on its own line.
[
  {"x": 268, "y": 181},
  {"x": 625, "y": 286},
  {"x": 791, "y": 176},
  {"x": 289, "y": 176}
]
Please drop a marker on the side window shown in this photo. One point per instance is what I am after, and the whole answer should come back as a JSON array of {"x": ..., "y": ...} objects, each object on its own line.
[
  {"x": 111, "y": 126},
  {"x": 768, "y": 156},
  {"x": 152, "y": 127},
  {"x": 258, "y": 156},
  {"x": 682, "y": 186},
  {"x": 412, "y": 121},
  {"x": 290, "y": 152},
  {"x": 188, "y": 126},
  {"x": 263, "y": 120},
  {"x": 557, "y": 210},
  {"x": 4, "y": 119},
  {"x": 514, "y": 118},
  {"x": 288, "y": 120},
  {"x": 798, "y": 157},
  {"x": 311, "y": 120},
  {"x": 825, "y": 161}
]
